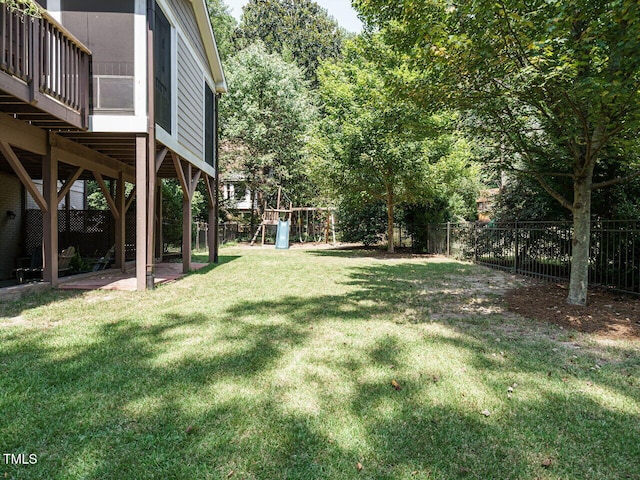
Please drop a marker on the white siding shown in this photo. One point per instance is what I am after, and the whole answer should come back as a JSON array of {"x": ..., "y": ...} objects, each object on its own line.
[
  {"x": 76, "y": 194},
  {"x": 190, "y": 101}
]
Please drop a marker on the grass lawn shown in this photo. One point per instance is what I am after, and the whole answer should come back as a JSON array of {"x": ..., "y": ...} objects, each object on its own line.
[{"x": 279, "y": 365}]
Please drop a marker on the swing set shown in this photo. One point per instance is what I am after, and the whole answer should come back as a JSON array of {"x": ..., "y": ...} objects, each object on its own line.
[{"x": 310, "y": 224}]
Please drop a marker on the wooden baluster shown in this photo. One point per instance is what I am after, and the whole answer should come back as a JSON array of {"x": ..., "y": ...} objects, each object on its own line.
[
  {"x": 45, "y": 56},
  {"x": 50, "y": 59},
  {"x": 3, "y": 37},
  {"x": 34, "y": 58},
  {"x": 65, "y": 70},
  {"x": 75, "y": 78},
  {"x": 11, "y": 58},
  {"x": 58, "y": 64}
]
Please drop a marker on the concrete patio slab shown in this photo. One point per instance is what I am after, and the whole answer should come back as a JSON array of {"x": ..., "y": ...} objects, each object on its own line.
[{"x": 115, "y": 280}]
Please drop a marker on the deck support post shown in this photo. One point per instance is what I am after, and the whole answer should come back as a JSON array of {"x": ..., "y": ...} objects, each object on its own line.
[
  {"x": 186, "y": 222},
  {"x": 159, "y": 245},
  {"x": 50, "y": 218},
  {"x": 120, "y": 223},
  {"x": 141, "y": 212},
  {"x": 212, "y": 231}
]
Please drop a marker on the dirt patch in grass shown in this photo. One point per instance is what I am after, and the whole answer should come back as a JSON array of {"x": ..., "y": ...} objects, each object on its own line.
[{"x": 608, "y": 314}]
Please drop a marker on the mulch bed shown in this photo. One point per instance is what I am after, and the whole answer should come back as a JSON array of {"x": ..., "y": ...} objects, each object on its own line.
[{"x": 607, "y": 314}]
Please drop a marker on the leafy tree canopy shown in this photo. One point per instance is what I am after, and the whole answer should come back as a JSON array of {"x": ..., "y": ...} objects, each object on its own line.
[
  {"x": 268, "y": 111},
  {"x": 552, "y": 85},
  {"x": 300, "y": 30},
  {"x": 223, "y": 25},
  {"x": 374, "y": 146}
]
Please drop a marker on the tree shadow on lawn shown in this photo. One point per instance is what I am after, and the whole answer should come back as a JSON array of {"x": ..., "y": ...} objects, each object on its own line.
[
  {"x": 222, "y": 260},
  {"x": 253, "y": 391},
  {"x": 13, "y": 308},
  {"x": 367, "y": 252}
]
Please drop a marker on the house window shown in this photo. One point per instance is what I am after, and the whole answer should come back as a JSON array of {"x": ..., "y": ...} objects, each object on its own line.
[
  {"x": 162, "y": 66},
  {"x": 209, "y": 125},
  {"x": 113, "y": 93}
]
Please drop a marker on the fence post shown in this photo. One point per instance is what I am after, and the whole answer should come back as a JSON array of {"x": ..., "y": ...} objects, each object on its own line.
[
  {"x": 448, "y": 239},
  {"x": 475, "y": 242},
  {"x": 516, "y": 262}
]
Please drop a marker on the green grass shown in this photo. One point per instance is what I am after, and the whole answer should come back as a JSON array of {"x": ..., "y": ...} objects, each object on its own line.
[{"x": 278, "y": 365}]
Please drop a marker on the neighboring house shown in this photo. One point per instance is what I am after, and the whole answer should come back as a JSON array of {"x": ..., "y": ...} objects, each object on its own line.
[
  {"x": 76, "y": 196},
  {"x": 236, "y": 195},
  {"x": 118, "y": 90}
]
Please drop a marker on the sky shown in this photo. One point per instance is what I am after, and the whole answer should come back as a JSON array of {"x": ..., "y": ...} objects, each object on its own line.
[{"x": 341, "y": 10}]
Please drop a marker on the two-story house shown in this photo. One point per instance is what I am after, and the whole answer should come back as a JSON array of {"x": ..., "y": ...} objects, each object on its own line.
[{"x": 120, "y": 91}]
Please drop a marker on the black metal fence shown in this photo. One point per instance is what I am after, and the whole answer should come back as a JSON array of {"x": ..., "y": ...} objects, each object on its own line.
[{"x": 538, "y": 249}]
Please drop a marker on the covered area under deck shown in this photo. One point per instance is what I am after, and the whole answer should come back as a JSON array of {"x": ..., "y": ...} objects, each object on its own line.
[
  {"x": 61, "y": 158},
  {"x": 46, "y": 146}
]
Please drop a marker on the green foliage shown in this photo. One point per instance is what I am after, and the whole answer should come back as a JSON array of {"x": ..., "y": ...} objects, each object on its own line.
[
  {"x": 27, "y": 7},
  {"x": 172, "y": 211},
  {"x": 552, "y": 85},
  {"x": 223, "y": 25},
  {"x": 361, "y": 222},
  {"x": 375, "y": 146},
  {"x": 300, "y": 30},
  {"x": 95, "y": 197},
  {"x": 78, "y": 264},
  {"x": 267, "y": 111}
]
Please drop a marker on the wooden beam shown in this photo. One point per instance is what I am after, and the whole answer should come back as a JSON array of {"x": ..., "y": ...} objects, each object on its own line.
[
  {"x": 182, "y": 178},
  {"x": 159, "y": 243},
  {"x": 152, "y": 175},
  {"x": 50, "y": 220},
  {"x": 120, "y": 223},
  {"x": 76, "y": 154},
  {"x": 186, "y": 224},
  {"x": 212, "y": 232},
  {"x": 107, "y": 195},
  {"x": 207, "y": 183},
  {"x": 141, "y": 212},
  {"x": 69, "y": 183},
  {"x": 132, "y": 197},
  {"x": 194, "y": 183},
  {"x": 22, "y": 174},
  {"x": 160, "y": 158},
  {"x": 22, "y": 135}
]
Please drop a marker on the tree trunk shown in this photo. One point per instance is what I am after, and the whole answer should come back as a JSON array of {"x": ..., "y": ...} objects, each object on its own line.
[
  {"x": 579, "y": 280},
  {"x": 390, "y": 200},
  {"x": 253, "y": 209}
]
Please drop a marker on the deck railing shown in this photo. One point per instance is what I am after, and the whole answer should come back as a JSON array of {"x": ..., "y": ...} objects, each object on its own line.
[{"x": 49, "y": 61}]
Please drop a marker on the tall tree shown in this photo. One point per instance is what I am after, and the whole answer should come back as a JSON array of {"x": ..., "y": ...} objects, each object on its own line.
[
  {"x": 297, "y": 29},
  {"x": 553, "y": 83},
  {"x": 223, "y": 25},
  {"x": 370, "y": 144},
  {"x": 267, "y": 112}
]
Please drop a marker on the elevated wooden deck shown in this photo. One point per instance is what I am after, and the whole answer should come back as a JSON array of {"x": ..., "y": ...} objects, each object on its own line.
[{"x": 44, "y": 72}]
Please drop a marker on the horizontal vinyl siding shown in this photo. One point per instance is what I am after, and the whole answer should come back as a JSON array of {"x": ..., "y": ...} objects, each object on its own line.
[
  {"x": 190, "y": 101},
  {"x": 186, "y": 18}
]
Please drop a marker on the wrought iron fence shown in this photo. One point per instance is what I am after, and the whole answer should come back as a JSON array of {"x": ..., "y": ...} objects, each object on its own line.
[{"x": 539, "y": 249}]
